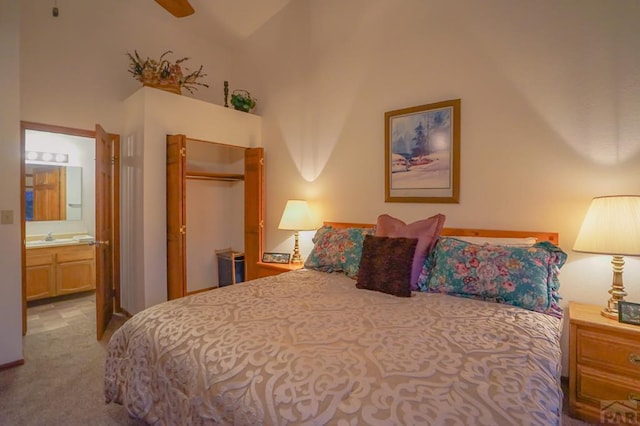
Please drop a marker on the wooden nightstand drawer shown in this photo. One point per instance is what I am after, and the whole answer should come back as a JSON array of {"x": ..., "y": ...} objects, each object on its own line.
[
  {"x": 604, "y": 357},
  {"x": 608, "y": 351},
  {"x": 595, "y": 386}
]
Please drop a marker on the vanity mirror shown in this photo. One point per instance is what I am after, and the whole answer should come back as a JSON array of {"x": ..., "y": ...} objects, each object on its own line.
[{"x": 53, "y": 192}]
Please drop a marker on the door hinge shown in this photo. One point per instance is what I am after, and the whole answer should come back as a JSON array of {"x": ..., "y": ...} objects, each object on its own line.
[
  {"x": 183, "y": 151},
  {"x": 113, "y": 160},
  {"x": 262, "y": 161},
  {"x": 183, "y": 229}
]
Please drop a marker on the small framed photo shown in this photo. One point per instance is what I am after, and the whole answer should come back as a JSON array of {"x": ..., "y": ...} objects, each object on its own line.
[
  {"x": 629, "y": 313},
  {"x": 276, "y": 257}
]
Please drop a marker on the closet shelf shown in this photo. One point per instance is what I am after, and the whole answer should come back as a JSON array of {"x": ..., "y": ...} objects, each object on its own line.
[{"x": 229, "y": 177}]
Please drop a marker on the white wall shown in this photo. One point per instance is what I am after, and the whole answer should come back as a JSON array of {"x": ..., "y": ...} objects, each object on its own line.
[
  {"x": 213, "y": 223},
  {"x": 550, "y": 96},
  {"x": 10, "y": 284},
  {"x": 152, "y": 114},
  {"x": 74, "y": 68}
]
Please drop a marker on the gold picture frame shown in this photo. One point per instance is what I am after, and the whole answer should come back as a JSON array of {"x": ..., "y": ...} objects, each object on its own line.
[{"x": 422, "y": 153}]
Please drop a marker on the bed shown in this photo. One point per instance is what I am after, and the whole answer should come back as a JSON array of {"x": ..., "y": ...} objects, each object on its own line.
[{"x": 310, "y": 347}]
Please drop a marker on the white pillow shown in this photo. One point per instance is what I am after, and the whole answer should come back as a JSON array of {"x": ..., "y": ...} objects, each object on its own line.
[{"x": 498, "y": 241}]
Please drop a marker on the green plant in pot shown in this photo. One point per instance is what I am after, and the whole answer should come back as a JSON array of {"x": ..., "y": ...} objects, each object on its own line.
[{"x": 242, "y": 100}]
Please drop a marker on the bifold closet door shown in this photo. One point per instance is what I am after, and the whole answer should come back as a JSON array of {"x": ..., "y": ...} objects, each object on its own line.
[
  {"x": 176, "y": 216},
  {"x": 253, "y": 210}
]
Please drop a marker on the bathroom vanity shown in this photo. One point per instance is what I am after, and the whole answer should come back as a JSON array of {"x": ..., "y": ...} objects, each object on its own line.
[{"x": 59, "y": 267}]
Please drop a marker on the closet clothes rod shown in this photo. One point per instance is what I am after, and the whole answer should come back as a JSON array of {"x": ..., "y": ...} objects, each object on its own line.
[{"x": 229, "y": 177}]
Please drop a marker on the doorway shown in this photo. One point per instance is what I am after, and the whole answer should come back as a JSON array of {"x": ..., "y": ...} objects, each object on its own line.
[{"x": 54, "y": 159}]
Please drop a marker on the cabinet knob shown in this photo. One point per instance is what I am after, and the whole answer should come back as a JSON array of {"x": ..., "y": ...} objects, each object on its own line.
[{"x": 634, "y": 359}]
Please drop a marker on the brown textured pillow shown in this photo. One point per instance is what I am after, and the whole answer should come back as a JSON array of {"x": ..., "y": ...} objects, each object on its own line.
[{"x": 385, "y": 265}]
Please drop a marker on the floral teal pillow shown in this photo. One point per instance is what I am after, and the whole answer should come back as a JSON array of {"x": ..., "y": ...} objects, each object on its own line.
[
  {"x": 520, "y": 276},
  {"x": 337, "y": 250}
]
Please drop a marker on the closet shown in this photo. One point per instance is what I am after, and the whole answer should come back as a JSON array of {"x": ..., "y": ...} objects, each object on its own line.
[{"x": 214, "y": 202}]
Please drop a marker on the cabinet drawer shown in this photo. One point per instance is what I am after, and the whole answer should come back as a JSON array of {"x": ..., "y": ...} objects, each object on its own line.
[
  {"x": 35, "y": 258},
  {"x": 75, "y": 253},
  {"x": 595, "y": 386},
  {"x": 611, "y": 351}
]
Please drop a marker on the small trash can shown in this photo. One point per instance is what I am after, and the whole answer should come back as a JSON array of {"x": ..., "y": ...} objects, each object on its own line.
[{"x": 230, "y": 267}]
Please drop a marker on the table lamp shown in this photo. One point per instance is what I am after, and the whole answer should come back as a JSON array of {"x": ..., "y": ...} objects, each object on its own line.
[
  {"x": 296, "y": 217},
  {"x": 612, "y": 226}
]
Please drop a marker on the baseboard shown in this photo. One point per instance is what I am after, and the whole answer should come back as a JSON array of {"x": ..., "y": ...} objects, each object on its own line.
[
  {"x": 124, "y": 312},
  {"x": 12, "y": 364}
]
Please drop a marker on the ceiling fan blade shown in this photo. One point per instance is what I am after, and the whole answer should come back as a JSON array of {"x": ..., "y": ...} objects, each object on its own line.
[{"x": 178, "y": 8}]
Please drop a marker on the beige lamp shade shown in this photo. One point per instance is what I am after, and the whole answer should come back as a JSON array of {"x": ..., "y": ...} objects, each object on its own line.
[
  {"x": 297, "y": 217},
  {"x": 611, "y": 226}
]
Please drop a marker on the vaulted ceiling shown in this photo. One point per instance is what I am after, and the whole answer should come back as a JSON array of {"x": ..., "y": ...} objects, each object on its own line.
[{"x": 232, "y": 20}]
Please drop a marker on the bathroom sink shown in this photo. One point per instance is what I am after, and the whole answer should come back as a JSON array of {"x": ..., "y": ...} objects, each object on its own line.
[{"x": 54, "y": 242}]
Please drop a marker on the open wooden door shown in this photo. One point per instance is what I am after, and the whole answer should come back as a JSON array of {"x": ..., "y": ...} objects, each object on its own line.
[
  {"x": 104, "y": 231},
  {"x": 49, "y": 192},
  {"x": 107, "y": 214}
]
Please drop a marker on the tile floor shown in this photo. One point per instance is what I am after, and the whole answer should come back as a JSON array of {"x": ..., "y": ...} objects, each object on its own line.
[{"x": 50, "y": 314}]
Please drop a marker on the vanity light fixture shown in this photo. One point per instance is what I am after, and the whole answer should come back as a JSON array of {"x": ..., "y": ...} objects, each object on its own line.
[{"x": 48, "y": 157}]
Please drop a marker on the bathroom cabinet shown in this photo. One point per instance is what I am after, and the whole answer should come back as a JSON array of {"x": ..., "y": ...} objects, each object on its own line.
[{"x": 58, "y": 270}]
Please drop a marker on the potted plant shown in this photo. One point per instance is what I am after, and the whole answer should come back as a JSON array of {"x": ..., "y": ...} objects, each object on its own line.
[
  {"x": 242, "y": 100},
  {"x": 164, "y": 74}
]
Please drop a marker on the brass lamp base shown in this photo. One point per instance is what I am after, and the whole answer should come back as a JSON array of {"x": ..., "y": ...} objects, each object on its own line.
[
  {"x": 296, "y": 258},
  {"x": 606, "y": 312},
  {"x": 617, "y": 289}
]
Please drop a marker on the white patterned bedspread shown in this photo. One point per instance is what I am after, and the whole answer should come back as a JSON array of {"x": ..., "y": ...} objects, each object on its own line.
[{"x": 308, "y": 347}]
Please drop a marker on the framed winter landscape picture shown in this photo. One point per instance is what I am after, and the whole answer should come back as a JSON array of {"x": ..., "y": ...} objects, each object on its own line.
[{"x": 422, "y": 153}]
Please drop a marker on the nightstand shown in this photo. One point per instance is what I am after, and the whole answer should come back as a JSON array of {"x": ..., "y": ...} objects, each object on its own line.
[
  {"x": 604, "y": 362},
  {"x": 268, "y": 269}
]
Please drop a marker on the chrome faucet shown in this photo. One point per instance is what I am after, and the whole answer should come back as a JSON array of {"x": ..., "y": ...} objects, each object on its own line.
[{"x": 49, "y": 236}]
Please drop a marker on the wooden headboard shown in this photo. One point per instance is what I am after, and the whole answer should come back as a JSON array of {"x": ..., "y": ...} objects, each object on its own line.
[{"x": 464, "y": 232}]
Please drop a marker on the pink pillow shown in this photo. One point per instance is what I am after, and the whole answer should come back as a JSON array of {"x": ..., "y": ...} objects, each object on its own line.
[{"x": 427, "y": 231}]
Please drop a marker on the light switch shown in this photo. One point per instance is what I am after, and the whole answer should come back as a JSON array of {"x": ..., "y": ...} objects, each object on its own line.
[{"x": 6, "y": 217}]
